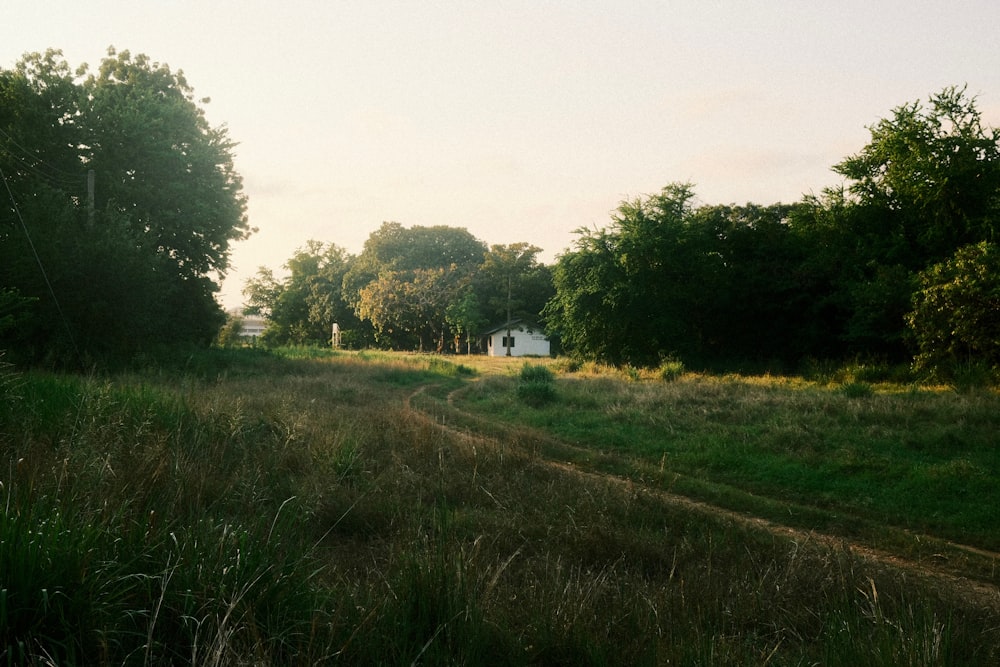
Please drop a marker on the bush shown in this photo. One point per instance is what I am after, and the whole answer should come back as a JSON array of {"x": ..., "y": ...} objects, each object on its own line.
[
  {"x": 857, "y": 389},
  {"x": 568, "y": 364},
  {"x": 536, "y": 386},
  {"x": 953, "y": 320},
  {"x": 541, "y": 374},
  {"x": 671, "y": 369},
  {"x": 971, "y": 376}
]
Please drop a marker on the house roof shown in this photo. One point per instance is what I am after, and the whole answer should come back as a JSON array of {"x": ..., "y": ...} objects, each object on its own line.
[{"x": 512, "y": 324}]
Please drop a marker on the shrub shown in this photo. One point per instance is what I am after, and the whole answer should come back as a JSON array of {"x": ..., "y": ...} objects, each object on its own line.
[
  {"x": 568, "y": 364},
  {"x": 857, "y": 389},
  {"x": 536, "y": 386},
  {"x": 971, "y": 376},
  {"x": 671, "y": 369},
  {"x": 631, "y": 373},
  {"x": 953, "y": 320},
  {"x": 541, "y": 374}
]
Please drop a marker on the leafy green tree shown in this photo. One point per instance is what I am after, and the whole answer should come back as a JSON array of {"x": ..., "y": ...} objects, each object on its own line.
[
  {"x": 427, "y": 267},
  {"x": 636, "y": 291},
  {"x": 133, "y": 271},
  {"x": 583, "y": 312},
  {"x": 512, "y": 284},
  {"x": 929, "y": 177},
  {"x": 412, "y": 305},
  {"x": 261, "y": 293},
  {"x": 758, "y": 306},
  {"x": 926, "y": 184},
  {"x": 301, "y": 308},
  {"x": 393, "y": 247},
  {"x": 40, "y": 134},
  {"x": 466, "y": 318},
  {"x": 956, "y": 310},
  {"x": 231, "y": 333},
  {"x": 161, "y": 164}
]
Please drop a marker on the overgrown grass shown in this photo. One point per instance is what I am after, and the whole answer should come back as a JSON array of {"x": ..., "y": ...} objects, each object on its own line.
[{"x": 271, "y": 510}]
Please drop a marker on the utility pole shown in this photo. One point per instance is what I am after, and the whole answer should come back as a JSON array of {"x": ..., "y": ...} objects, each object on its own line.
[
  {"x": 508, "y": 315},
  {"x": 90, "y": 197}
]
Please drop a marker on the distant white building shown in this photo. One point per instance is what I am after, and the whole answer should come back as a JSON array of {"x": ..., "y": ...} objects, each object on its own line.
[
  {"x": 252, "y": 327},
  {"x": 525, "y": 340}
]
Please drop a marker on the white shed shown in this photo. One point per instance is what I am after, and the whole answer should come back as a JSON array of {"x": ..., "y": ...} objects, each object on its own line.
[{"x": 524, "y": 340}]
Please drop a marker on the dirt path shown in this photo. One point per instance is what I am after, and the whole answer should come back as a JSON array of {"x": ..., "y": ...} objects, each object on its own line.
[{"x": 981, "y": 593}]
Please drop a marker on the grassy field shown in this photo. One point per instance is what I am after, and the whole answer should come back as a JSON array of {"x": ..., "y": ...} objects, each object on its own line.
[{"x": 368, "y": 508}]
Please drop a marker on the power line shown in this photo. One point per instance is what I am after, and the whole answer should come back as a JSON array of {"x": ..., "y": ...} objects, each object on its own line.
[
  {"x": 56, "y": 182},
  {"x": 34, "y": 157},
  {"x": 38, "y": 260}
]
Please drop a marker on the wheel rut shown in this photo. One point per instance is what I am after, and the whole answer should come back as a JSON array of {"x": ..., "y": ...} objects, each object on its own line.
[{"x": 982, "y": 594}]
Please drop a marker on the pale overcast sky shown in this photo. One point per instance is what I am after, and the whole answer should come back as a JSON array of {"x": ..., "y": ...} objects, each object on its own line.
[{"x": 526, "y": 120}]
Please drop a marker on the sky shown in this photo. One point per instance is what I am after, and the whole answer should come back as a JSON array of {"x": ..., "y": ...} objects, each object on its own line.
[{"x": 525, "y": 120}]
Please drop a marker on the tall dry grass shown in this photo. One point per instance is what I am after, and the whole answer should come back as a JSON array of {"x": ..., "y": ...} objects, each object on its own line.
[{"x": 269, "y": 510}]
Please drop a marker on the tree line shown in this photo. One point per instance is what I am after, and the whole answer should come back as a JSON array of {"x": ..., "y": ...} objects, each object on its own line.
[
  {"x": 899, "y": 262},
  {"x": 419, "y": 288}
]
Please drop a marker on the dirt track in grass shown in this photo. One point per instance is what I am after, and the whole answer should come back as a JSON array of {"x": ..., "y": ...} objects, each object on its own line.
[{"x": 979, "y": 593}]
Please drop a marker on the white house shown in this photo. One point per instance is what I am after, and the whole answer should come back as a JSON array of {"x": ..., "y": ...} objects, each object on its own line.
[
  {"x": 252, "y": 327},
  {"x": 524, "y": 340}
]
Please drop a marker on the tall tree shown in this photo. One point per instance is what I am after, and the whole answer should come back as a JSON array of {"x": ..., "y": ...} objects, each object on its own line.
[
  {"x": 302, "y": 307},
  {"x": 636, "y": 291},
  {"x": 422, "y": 265},
  {"x": 927, "y": 183},
  {"x": 411, "y": 306},
  {"x": 135, "y": 270},
  {"x": 161, "y": 164},
  {"x": 760, "y": 305},
  {"x": 465, "y": 315},
  {"x": 929, "y": 178},
  {"x": 512, "y": 284}
]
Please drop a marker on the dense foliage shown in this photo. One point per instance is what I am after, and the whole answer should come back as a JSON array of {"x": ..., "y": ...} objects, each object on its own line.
[
  {"x": 427, "y": 288},
  {"x": 832, "y": 276},
  {"x": 667, "y": 279},
  {"x": 108, "y": 270},
  {"x": 956, "y": 314},
  {"x": 890, "y": 265},
  {"x": 302, "y": 308}
]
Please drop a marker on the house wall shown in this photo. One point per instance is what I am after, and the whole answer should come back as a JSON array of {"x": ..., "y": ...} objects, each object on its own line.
[{"x": 524, "y": 343}]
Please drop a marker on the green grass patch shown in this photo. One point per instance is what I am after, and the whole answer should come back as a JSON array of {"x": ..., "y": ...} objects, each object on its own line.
[{"x": 921, "y": 460}]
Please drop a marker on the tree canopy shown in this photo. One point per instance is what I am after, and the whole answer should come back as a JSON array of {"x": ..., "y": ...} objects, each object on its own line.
[
  {"x": 423, "y": 288},
  {"x": 405, "y": 278},
  {"x": 858, "y": 270},
  {"x": 134, "y": 265},
  {"x": 301, "y": 308}
]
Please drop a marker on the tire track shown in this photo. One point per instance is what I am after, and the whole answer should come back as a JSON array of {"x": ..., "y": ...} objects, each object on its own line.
[{"x": 982, "y": 594}]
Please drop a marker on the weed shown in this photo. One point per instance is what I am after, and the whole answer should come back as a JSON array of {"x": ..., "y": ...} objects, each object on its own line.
[
  {"x": 857, "y": 389},
  {"x": 536, "y": 386},
  {"x": 671, "y": 370}
]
